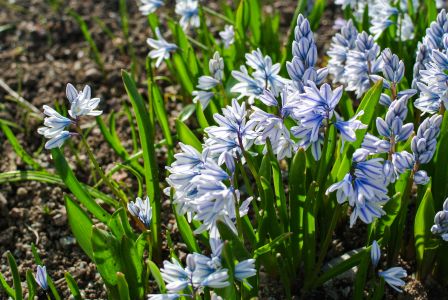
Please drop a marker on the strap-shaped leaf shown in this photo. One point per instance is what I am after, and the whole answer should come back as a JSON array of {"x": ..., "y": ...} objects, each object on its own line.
[
  {"x": 76, "y": 188},
  {"x": 80, "y": 224},
  {"x": 72, "y": 286}
]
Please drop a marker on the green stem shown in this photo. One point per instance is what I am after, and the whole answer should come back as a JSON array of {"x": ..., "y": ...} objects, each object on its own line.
[
  {"x": 216, "y": 14},
  {"x": 98, "y": 168}
]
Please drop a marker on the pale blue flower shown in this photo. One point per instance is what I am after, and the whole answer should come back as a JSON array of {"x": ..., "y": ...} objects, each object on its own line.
[
  {"x": 176, "y": 277},
  {"x": 393, "y": 277},
  {"x": 41, "y": 277},
  {"x": 58, "y": 140},
  {"x": 421, "y": 177},
  {"x": 54, "y": 123},
  {"x": 207, "y": 83},
  {"x": 81, "y": 103},
  {"x": 245, "y": 269},
  {"x": 189, "y": 12},
  {"x": 375, "y": 253},
  {"x": 265, "y": 71},
  {"x": 380, "y": 12},
  {"x": 142, "y": 210},
  {"x": 147, "y": 7},
  {"x": 227, "y": 35},
  {"x": 164, "y": 296},
  {"x": 162, "y": 48},
  {"x": 440, "y": 226},
  {"x": 247, "y": 86}
]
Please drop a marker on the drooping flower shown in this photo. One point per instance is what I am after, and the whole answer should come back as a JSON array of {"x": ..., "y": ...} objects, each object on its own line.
[
  {"x": 207, "y": 83},
  {"x": 147, "y": 7},
  {"x": 162, "y": 48},
  {"x": 380, "y": 12},
  {"x": 363, "y": 188},
  {"x": 393, "y": 277},
  {"x": 142, "y": 210},
  {"x": 41, "y": 277},
  {"x": 189, "y": 12},
  {"x": 227, "y": 35},
  {"x": 54, "y": 126},
  {"x": 440, "y": 226}
]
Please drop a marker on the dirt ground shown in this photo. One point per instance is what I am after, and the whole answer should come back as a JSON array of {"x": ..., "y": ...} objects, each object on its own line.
[{"x": 41, "y": 49}]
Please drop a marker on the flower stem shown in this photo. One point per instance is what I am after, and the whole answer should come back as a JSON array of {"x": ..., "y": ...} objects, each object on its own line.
[
  {"x": 98, "y": 169},
  {"x": 216, "y": 14}
]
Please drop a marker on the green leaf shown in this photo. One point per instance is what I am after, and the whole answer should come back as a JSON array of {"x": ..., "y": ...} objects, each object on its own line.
[
  {"x": 15, "y": 176},
  {"x": 186, "y": 232},
  {"x": 132, "y": 267},
  {"x": 368, "y": 104},
  {"x": 115, "y": 143},
  {"x": 73, "y": 286},
  {"x": 316, "y": 14},
  {"x": 9, "y": 290},
  {"x": 76, "y": 188},
  {"x": 162, "y": 118},
  {"x": 31, "y": 284},
  {"x": 255, "y": 21},
  {"x": 149, "y": 157},
  {"x": 424, "y": 219},
  {"x": 17, "y": 283},
  {"x": 349, "y": 260},
  {"x": 238, "y": 249},
  {"x": 123, "y": 289},
  {"x": 80, "y": 224},
  {"x": 155, "y": 272},
  {"x": 361, "y": 277},
  {"x": 50, "y": 282},
  {"x": 187, "y": 137},
  {"x": 18, "y": 149},
  {"x": 440, "y": 178},
  {"x": 271, "y": 245},
  {"x": 182, "y": 73},
  {"x": 105, "y": 255}
]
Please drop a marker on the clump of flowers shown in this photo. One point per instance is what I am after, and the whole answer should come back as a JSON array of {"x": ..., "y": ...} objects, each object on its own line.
[{"x": 81, "y": 104}]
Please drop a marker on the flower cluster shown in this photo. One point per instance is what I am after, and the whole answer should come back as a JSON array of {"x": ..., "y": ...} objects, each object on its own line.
[
  {"x": 440, "y": 226},
  {"x": 341, "y": 43},
  {"x": 264, "y": 76},
  {"x": 363, "y": 187},
  {"x": 162, "y": 49},
  {"x": 302, "y": 69},
  {"x": 431, "y": 66},
  {"x": 393, "y": 129},
  {"x": 81, "y": 104},
  {"x": 207, "y": 83},
  {"x": 201, "y": 272},
  {"x": 200, "y": 189},
  {"x": 227, "y": 36}
]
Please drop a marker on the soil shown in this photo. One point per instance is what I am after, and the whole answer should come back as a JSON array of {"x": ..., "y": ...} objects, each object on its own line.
[{"x": 41, "y": 49}]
